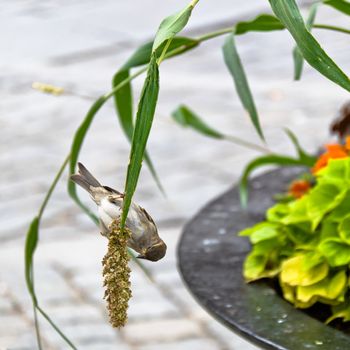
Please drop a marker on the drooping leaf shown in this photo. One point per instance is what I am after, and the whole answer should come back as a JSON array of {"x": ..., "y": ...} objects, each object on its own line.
[
  {"x": 75, "y": 151},
  {"x": 302, "y": 154},
  {"x": 340, "y": 5},
  {"x": 30, "y": 246},
  {"x": 288, "y": 13},
  {"x": 297, "y": 55},
  {"x": 328, "y": 289},
  {"x": 254, "y": 266},
  {"x": 234, "y": 65},
  {"x": 273, "y": 159},
  {"x": 262, "y": 23},
  {"x": 336, "y": 251},
  {"x": 295, "y": 274},
  {"x": 144, "y": 120},
  {"x": 187, "y": 118},
  {"x": 340, "y": 311}
]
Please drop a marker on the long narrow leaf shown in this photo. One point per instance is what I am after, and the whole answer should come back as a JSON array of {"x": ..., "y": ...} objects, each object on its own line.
[
  {"x": 30, "y": 246},
  {"x": 234, "y": 64},
  {"x": 305, "y": 157},
  {"x": 187, "y": 118},
  {"x": 273, "y": 159},
  {"x": 262, "y": 23},
  {"x": 288, "y": 13},
  {"x": 340, "y": 5},
  {"x": 144, "y": 120},
  {"x": 75, "y": 151},
  {"x": 297, "y": 56},
  {"x": 123, "y": 97}
]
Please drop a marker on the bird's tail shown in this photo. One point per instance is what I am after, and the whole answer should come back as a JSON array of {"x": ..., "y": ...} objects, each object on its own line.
[{"x": 85, "y": 179}]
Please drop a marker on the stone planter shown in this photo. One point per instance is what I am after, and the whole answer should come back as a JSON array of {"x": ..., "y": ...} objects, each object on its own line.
[{"x": 210, "y": 261}]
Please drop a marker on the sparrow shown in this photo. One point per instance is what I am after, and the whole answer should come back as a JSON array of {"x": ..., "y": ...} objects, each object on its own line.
[{"x": 144, "y": 237}]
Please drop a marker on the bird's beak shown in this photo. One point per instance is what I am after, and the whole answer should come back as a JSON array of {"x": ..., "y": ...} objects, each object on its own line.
[{"x": 140, "y": 256}]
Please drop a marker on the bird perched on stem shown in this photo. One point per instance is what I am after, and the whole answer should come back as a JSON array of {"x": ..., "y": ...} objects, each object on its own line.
[{"x": 144, "y": 234}]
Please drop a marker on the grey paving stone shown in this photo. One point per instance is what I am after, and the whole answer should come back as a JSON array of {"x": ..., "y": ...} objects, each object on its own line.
[
  {"x": 190, "y": 344},
  {"x": 158, "y": 331}
]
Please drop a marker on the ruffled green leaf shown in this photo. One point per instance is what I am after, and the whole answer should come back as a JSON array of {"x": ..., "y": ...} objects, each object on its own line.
[
  {"x": 344, "y": 229},
  {"x": 321, "y": 200},
  {"x": 329, "y": 289},
  {"x": 294, "y": 272},
  {"x": 336, "y": 251}
]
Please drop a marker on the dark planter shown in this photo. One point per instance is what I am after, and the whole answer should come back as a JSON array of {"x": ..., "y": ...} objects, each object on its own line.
[{"x": 210, "y": 261}]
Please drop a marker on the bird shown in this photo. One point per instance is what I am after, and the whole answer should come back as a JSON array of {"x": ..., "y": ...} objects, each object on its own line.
[{"x": 144, "y": 237}]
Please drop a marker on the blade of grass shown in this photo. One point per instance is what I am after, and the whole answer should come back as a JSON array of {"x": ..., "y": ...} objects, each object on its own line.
[
  {"x": 340, "y": 5},
  {"x": 32, "y": 239},
  {"x": 144, "y": 119},
  {"x": 306, "y": 158},
  {"x": 273, "y": 159},
  {"x": 297, "y": 55},
  {"x": 123, "y": 97},
  {"x": 185, "y": 117},
  {"x": 234, "y": 65},
  {"x": 288, "y": 13},
  {"x": 167, "y": 30}
]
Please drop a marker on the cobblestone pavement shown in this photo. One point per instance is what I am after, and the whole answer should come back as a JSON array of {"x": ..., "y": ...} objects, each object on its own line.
[{"x": 79, "y": 45}]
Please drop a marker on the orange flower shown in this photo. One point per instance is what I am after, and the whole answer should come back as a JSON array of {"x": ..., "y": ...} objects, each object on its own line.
[
  {"x": 298, "y": 188},
  {"x": 333, "y": 151}
]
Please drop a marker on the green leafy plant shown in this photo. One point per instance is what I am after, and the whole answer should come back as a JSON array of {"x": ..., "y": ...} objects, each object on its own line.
[
  {"x": 149, "y": 58},
  {"x": 305, "y": 243}
]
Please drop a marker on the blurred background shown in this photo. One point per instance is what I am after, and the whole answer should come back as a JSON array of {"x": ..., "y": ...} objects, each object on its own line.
[{"x": 79, "y": 45}]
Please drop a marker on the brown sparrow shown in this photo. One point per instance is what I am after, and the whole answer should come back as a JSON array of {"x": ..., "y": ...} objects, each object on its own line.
[{"x": 144, "y": 234}]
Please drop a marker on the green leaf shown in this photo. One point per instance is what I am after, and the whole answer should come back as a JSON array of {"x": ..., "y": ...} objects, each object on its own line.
[
  {"x": 344, "y": 229},
  {"x": 294, "y": 272},
  {"x": 340, "y": 311},
  {"x": 187, "y": 118},
  {"x": 321, "y": 200},
  {"x": 306, "y": 158},
  {"x": 262, "y": 23},
  {"x": 170, "y": 26},
  {"x": 144, "y": 120},
  {"x": 234, "y": 65},
  {"x": 341, "y": 210},
  {"x": 30, "y": 246},
  {"x": 123, "y": 96},
  {"x": 340, "y": 5},
  {"x": 277, "y": 212},
  {"x": 337, "y": 171},
  {"x": 297, "y": 55},
  {"x": 335, "y": 251},
  {"x": 254, "y": 266},
  {"x": 328, "y": 289},
  {"x": 297, "y": 212},
  {"x": 288, "y": 13},
  {"x": 75, "y": 151},
  {"x": 273, "y": 159}
]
